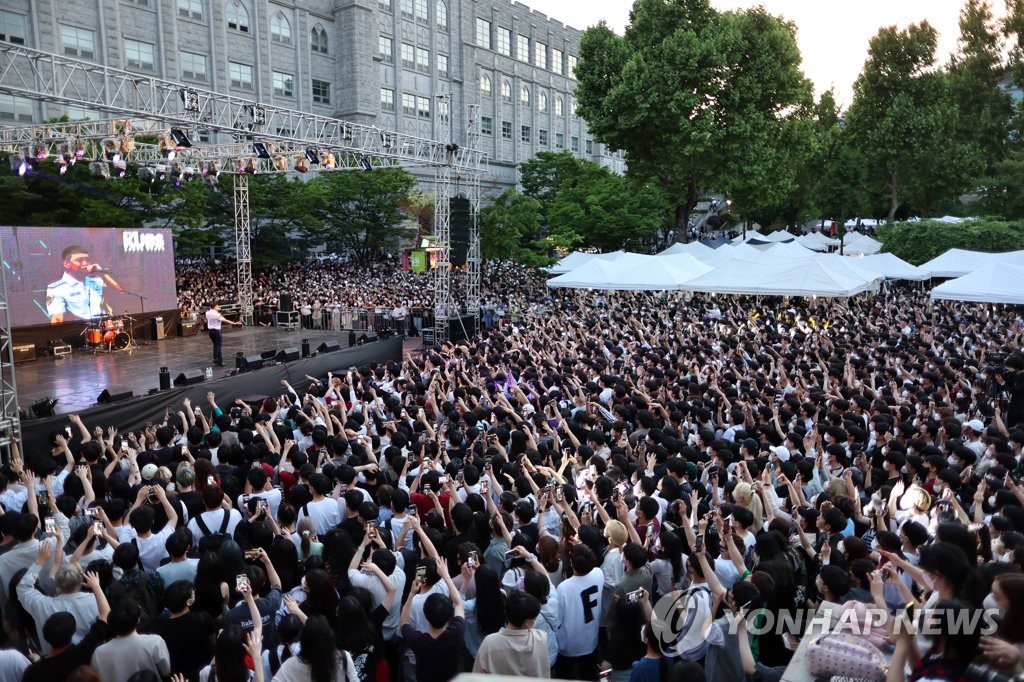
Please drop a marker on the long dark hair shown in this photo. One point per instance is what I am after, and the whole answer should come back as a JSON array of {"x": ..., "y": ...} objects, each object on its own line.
[
  {"x": 1011, "y": 628},
  {"x": 209, "y": 577},
  {"x": 354, "y": 632},
  {"x": 321, "y": 598},
  {"x": 672, "y": 551},
  {"x": 318, "y": 650},
  {"x": 229, "y": 655},
  {"x": 490, "y": 601}
]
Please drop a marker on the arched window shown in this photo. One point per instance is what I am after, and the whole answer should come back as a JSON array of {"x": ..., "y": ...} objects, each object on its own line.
[
  {"x": 485, "y": 85},
  {"x": 441, "y": 10},
  {"x": 542, "y": 101},
  {"x": 572, "y": 107},
  {"x": 524, "y": 96},
  {"x": 558, "y": 106},
  {"x": 237, "y": 16},
  {"x": 318, "y": 39},
  {"x": 506, "y": 91},
  {"x": 280, "y": 29}
]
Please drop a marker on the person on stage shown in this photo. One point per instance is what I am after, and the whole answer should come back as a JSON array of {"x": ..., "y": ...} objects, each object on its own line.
[
  {"x": 80, "y": 290},
  {"x": 214, "y": 320}
]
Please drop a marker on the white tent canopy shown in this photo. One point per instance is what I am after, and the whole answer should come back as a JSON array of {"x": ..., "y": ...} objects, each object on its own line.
[
  {"x": 803, "y": 277},
  {"x": 695, "y": 249},
  {"x": 960, "y": 262},
  {"x": 992, "y": 283},
  {"x": 890, "y": 267},
  {"x": 578, "y": 258},
  {"x": 595, "y": 273},
  {"x": 632, "y": 272},
  {"x": 855, "y": 244},
  {"x": 817, "y": 241}
]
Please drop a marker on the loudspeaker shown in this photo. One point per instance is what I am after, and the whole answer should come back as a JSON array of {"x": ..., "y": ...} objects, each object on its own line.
[
  {"x": 159, "y": 333},
  {"x": 165, "y": 379},
  {"x": 305, "y": 348},
  {"x": 189, "y": 377},
  {"x": 268, "y": 354},
  {"x": 250, "y": 363},
  {"x": 328, "y": 347},
  {"x": 114, "y": 393},
  {"x": 369, "y": 337},
  {"x": 459, "y": 226},
  {"x": 284, "y": 303},
  {"x": 24, "y": 353},
  {"x": 188, "y": 328},
  {"x": 288, "y": 354}
]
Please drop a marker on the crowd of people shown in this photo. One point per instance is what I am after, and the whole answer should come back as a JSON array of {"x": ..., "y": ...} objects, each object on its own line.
[{"x": 629, "y": 485}]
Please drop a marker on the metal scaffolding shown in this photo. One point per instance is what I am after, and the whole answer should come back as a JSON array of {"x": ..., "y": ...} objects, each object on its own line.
[
  {"x": 243, "y": 246},
  {"x": 474, "y": 256},
  {"x": 10, "y": 420},
  {"x": 443, "y": 300}
]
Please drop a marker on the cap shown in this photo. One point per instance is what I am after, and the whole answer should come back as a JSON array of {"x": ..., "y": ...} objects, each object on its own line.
[
  {"x": 781, "y": 452},
  {"x": 810, "y": 514},
  {"x": 975, "y": 425},
  {"x": 149, "y": 471}
]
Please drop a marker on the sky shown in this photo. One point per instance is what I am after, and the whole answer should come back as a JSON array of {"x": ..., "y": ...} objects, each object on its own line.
[{"x": 833, "y": 36}]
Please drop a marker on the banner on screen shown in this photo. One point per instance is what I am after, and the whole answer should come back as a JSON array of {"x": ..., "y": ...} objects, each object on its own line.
[{"x": 77, "y": 274}]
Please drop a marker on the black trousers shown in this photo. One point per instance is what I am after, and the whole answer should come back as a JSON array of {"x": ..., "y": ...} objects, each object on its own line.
[
  {"x": 218, "y": 346},
  {"x": 576, "y": 667}
]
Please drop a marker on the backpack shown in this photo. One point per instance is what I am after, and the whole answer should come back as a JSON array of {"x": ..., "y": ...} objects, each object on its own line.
[
  {"x": 211, "y": 542},
  {"x": 140, "y": 593}
]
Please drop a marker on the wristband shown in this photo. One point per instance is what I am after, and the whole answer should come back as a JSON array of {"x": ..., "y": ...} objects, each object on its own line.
[{"x": 744, "y": 575}]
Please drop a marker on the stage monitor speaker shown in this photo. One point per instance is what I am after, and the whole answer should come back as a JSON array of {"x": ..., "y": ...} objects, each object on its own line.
[
  {"x": 459, "y": 225},
  {"x": 114, "y": 394},
  {"x": 190, "y": 377},
  {"x": 369, "y": 337},
  {"x": 290, "y": 354},
  {"x": 43, "y": 408},
  {"x": 268, "y": 354},
  {"x": 24, "y": 353},
  {"x": 328, "y": 347},
  {"x": 305, "y": 348},
  {"x": 250, "y": 363},
  {"x": 188, "y": 328},
  {"x": 165, "y": 379},
  {"x": 284, "y": 303}
]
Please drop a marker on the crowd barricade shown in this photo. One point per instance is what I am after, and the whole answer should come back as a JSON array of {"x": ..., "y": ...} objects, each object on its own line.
[{"x": 331, "y": 318}]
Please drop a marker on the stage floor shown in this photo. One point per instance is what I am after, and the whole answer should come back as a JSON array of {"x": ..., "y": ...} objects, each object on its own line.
[{"x": 77, "y": 380}]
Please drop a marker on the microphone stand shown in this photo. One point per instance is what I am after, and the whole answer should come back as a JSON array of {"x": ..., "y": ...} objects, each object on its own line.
[{"x": 142, "y": 303}]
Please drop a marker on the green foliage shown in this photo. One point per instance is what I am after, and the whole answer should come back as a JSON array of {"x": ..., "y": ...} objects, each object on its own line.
[
  {"x": 359, "y": 209},
  {"x": 510, "y": 228},
  {"x": 921, "y": 241}
]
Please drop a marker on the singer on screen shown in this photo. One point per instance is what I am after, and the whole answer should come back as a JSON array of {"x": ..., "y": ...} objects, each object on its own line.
[{"x": 80, "y": 291}]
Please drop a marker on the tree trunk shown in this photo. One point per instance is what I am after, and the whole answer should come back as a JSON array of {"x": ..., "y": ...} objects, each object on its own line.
[{"x": 894, "y": 200}]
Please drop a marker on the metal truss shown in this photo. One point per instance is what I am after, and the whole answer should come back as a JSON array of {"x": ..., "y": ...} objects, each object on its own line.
[
  {"x": 473, "y": 258},
  {"x": 243, "y": 244},
  {"x": 443, "y": 301},
  {"x": 10, "y": 419}
]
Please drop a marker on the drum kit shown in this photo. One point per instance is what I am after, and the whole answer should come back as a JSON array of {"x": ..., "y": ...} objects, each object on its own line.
[{"x": 108, "y": 334}]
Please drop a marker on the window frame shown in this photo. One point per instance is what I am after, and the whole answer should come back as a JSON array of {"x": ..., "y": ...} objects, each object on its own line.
[
  {"x": 482, "y": 34},
  {"x": 287, "y": 84},
  {"x": 408, "y": 56},
  {"x": 524, "y": 95},
  {"x": 189, "y": 11},
  {"x": 241, "y": 69},
  {"x": 504, "y": 41},
  {"x": 77, "y": 52},
  {"x": 423, "y": 107},
  {"x": 318, "y": 41},
  {"x": 324, "y": 98},
  {"x": 280, "y": 28},
  {"x": 540, "y": 54},
  {"x": 234, "y": 13},
  {"x": 439, "y": 60},
  {"x": 523, "y": 53},
  {"x": 387, "y": 99},
  {"x": 487, "y": 91},
  {"x": 386, "y": 56},
  {"x": 192, "y": 74},
  {"x": 140, "y": 64},
  {"x": 14, "y": 115},
  {"x": 441, "y": 15},
  {"x": 7, "y": 17},
  {"x": 408, "y": 104},
  {"x": 486, "y": 125},
  {"x": 506, "y": 130},
  {"x": 506, "y": 91}
]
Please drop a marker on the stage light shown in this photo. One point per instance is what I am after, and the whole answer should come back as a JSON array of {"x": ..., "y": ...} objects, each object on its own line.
[
  {"x": 179, "y": 138},
  {"x": 189, "y": 173},
  {"x": 212, "y": 171},
  {"x": 19, "y": 165},
  {"x": 160, "y": 170},
  {"x": 110, "y": 149},
  {"x": 365, "y": 164},
  {"x": 168, "y": 148},
  {"x": 259, "y": 115},
  {"x": 190, "y": 99},
  {"x": 126, "y": 145},
  {"x": 312, "y": 156},
  {"x": 280, "y": 163},
  {"x": 262, "y": 149},
  {"x": 99, "y": 169},
  {"x": 44, "y": 407},
  {"x": 121, "y": 167},
  {"x": 146, "y": 174},
  {"x": 328, "y": 161},
  {"x": 346, "y": 133},
  {"x": 40, "y": 152},
  {"x": 301, "y": 164},
  {"x": 65, "y": 157}
]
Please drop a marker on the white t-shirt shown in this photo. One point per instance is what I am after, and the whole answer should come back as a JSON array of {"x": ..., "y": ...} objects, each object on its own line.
[
  {"x": 151, "y": 549},
  {"x": 272, "y": 496},
  {"x": 213, "y": 519},
  {"x": 326, "y": 514},
  {"x": 579, "y": 606}
]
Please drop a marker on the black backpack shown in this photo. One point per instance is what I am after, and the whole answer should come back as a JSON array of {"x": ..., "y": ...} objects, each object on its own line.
[{"x": 211, "y": 542}]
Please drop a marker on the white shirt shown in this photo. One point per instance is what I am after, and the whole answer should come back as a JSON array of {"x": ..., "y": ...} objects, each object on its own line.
[
  {"x": 214, "y": 320},
  {"x": 152, "y": 550},
  {"x": 376, "y": 588},
  {"x": 579, "y": 604},
  {"x": 272, "y": 496},
  {"x": 213, "y": 519},
  {"x": 326, "y": 514}
]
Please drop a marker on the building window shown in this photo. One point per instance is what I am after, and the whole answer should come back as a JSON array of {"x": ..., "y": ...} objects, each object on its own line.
[
  {"x": 193, "y": 66},
  {"x": 280, "y": 29},
  {"x": 542, "y": 101},
  {"x": 423, "y": 107},
  {"x": 558, "y": 105},
  {"x": 283, "y": 84},
  {"x": 483, "y": 33},
  {"x": 318, "y": 39},
  {"x": 506, "y": 130},
  {"x": 191, "y": 9},
  {"x": 321, "y": 92},
  {"x": 241, "y": 75},
  {"x": 408, "y": 56},
  {"x": 523, "y": 48},
  {"x": 524, "y": 96},
  {"x": 385, "y": 5},
  {"x": 442, "y": 15},
  {"x": 139, "y": 55},
  {"x": 575, "y": 143},
  {"x": 422, "y": 60},
  {"x": 559, "y": 140},
  {"x": 556, "y": 61},
  {"x": 485, "y": 85},
  {"x": 486, "y": 125},
  {"x": 387, "y": 99},
  {"x": 572, "y": 66},
  {"x": 572, "y": 107},
  {"x": 506, "y": 91},
  {"x": 15, "y": 109},
  {"x": 421, "y": 11},
  {"x": 442, "y": 65},
  {"x": 386, "y": 49},
  {"x": 505, "y": 41},
  {"x": 140, "y": 3},
  {"x": 237, "y": 16},
  {"x": 540, "y": 54},
  {"x": 542, "y": 138},
  {"x": 407, "y": 11},
  {"x": 590, "y": 147},
  {"x": 525, "y": 134},
  {"x": 408, "y": 104},
  {"x": 80, "y": 114},
  {"x": 12, "y": 28},
  {"x": 78, "y": 42}
]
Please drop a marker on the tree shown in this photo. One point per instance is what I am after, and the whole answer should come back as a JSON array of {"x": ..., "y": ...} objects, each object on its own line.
[
  {"x": 360, "y": 209},
  {"x": 904, "y": 121},
  {"x": 694, "y": 97},
  {"x": 510, "y": 228}
]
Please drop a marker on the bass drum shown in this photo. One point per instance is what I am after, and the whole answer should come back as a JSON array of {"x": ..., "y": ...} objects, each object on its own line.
[{"x": 115, "y": 340}]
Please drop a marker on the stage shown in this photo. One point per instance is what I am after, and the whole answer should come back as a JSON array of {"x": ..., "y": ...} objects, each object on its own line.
[{"x": 77, "y": 380}]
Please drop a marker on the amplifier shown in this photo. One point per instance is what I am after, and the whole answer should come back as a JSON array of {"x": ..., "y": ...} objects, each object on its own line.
[
  {"x": 188, "y": 328},
  {"x": 24, "y": 353}
]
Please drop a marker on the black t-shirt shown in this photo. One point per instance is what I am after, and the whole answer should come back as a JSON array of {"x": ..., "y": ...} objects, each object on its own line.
[
  {"x": 188, "y": 641},
  {"x": 437, "y": 660},
  {"x": 59, "y": 667},
  {"x": 193, "y": 502}
]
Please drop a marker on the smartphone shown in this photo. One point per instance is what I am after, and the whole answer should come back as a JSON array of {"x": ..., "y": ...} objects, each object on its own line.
[
  {"x": 473, "y": 560},
  {"x": 241, "y": 583},
  {"x": 426, "y": 488},
  {"x": 699, "y": 544},
  {"x": 511, "y": 554},
  {"x": 97, "y": 528},
  {"x": 604, "y": 675},
  {"x": 559, "y": 494},
  {"x": 443, "y": 480},
  {"x": 371, "y": 529},
  {"x": 263, "y": 505},
  {"x": 421, "y": 572},
  {"x": 483, "y": 487},
  {"x": 616, "y": 496},
  {"x": 67, "y": 430},
  {"x": 634, "y": 596},
  {"x": 50, "y": 526},
  {"x": 461, "y": 479},
  {"x": 210, "y": 480},
  {"x": 411, "y": 509}
]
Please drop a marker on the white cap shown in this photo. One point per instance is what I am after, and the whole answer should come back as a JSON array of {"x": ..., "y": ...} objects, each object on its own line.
[
  {"x": 975, "y": 425},
  {"x": 781, "y": 452},
  {"x": 149, "y": 471}
]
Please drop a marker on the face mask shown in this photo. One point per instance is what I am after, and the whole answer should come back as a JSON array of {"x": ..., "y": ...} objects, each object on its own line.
[
  {"x": 938, "y": 489},
  {"x": 991, "y": 500},
  {"x": 841, "y": 548},
  {"x": 990, "y": 603}
]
